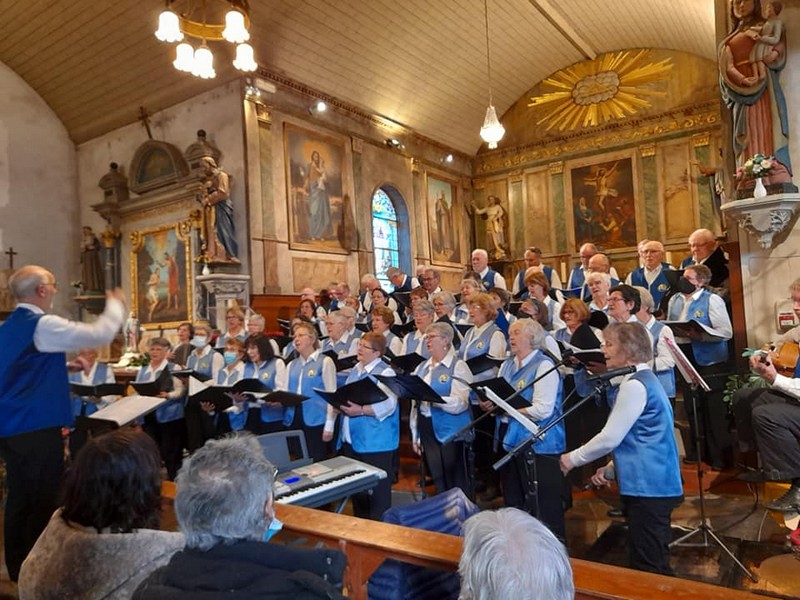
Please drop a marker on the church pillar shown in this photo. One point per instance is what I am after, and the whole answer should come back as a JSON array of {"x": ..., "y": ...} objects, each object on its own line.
[{"x": 652, "y": 205}]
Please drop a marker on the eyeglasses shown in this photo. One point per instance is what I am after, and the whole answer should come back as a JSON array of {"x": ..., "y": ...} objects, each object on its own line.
[
  {"x": 365, "y": 347},
  {"x": 615, "y": 299}
]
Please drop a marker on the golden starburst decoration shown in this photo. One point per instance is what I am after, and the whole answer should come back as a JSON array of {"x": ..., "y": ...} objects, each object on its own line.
[{"x": 594, "y": 92}]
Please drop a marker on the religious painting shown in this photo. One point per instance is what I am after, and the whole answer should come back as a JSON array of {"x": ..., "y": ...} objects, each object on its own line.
[
  {"x": 444, "y": 221},
  {"x": 161, "y": 285},
  {"x": 317, "y": 197},
  {"x": 603, "y": 204}
]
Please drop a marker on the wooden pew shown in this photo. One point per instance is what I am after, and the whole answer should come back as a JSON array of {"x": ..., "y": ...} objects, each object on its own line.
[{"x": 368, "y": 543}]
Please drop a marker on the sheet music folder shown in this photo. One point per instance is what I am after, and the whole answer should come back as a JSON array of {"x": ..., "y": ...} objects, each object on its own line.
[
  {"x": 103, "y": 389},
  {"x": 163, "y": 383},
  {"x": 220, "y": 395},
  {"x": 484, "y": 362},
  {"x": 501, "y": 388},
  {"x": 410, "y": 387},
  {"x": 123, "y": 411},
  {"x": 342, "y": 363},
  {"x": 364, "y": 391},
  {"x": 685, "y": 329},
  {"x": 405, "y": 362}
]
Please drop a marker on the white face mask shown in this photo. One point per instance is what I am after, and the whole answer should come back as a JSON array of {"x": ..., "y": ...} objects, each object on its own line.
[{"x": 199, "y": 341}]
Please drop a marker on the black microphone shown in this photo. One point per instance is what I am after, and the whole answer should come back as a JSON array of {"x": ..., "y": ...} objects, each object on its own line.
[
  {"x": 609, "y": 375},
  {"x": 566, "y": 353}
]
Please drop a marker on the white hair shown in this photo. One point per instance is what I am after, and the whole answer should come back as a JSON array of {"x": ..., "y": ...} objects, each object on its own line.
[
  {"x": 480, "y": 252},
  {"x": 510, "y": 554}
]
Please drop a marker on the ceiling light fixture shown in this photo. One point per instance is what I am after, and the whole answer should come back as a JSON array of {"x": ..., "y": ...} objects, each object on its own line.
[
  {"x": 394, "y": 143},
  {"x": 174, "y": 26},
  {"x": 492, "y": 130},
  {"x": 318, "y": 107},
  {"x": 447, "y": 159}
]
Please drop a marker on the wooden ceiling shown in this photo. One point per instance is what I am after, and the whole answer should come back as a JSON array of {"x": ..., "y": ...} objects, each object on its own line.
[{"x": 420, "y": 63}]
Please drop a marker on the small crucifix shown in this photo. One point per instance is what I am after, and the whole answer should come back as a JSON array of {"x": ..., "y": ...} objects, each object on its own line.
[
  {"x": 145, "y": 119},
  {"x": 11, "y": 254}
]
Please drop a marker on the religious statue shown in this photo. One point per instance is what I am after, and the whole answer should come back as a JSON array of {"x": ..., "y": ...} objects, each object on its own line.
[
  {"x": 751, "y": 59},
  {"x": 91, "y": 269},
  {"x": 132, "y": 331},
  {"x": 495, "y": 216},
  {"x": 218, "y": 230}
]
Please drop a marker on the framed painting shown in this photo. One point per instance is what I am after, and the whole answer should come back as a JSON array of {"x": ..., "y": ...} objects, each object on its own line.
[
  {"x": 316, "y": 191},
  {"x": 161, "y": 283},
  {"x": 444, "y": 221},
  {"x": 602, "y": 198}
]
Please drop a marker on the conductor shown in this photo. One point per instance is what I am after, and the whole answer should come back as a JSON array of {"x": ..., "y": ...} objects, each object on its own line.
[{"x": 35, "y": 400}]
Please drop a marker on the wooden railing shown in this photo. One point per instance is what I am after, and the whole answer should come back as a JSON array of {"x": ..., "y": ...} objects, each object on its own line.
[{"x": 368, "y": 543}]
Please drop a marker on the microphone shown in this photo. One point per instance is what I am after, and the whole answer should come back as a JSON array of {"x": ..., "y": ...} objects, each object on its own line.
[
  {"x": 609, "y": 375},
  {"x": 566, "y": 353}
]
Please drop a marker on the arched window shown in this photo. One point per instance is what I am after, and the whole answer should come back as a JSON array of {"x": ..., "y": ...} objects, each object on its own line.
[{"x": 384, "y": 236}]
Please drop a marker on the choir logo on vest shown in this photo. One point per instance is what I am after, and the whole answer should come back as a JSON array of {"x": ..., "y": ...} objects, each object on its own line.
[
  {"x": 311, "y": 372},
  {"x": 265, "y": 376},
  {"x": 699, "y": 314},
  {"x": 444, "y": 378},
  {"x": 663, "y": 287},
  {"x": 479, "y": 345},
  {"x": 521, "y": 384}
]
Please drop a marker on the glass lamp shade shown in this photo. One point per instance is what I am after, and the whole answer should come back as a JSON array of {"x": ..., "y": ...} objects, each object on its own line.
[
  {"x": 244, "y": 58},
  {"x": 203, "y": 63},
  {"x": 169, "y": 29},
  {"x": 235, "y": 32},
  {"x": 184, "y": 57},
  {"x": 492, "y": 131}
]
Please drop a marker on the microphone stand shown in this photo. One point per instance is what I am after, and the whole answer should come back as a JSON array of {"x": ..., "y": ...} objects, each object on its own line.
[{"x": 493, "y": 411}]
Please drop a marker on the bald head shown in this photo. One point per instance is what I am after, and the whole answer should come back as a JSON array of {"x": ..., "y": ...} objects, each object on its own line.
[
  {"x": 599, "y": 263},
  {"x": 702, "y": 243},
  {"x": 33, "y": 284}
]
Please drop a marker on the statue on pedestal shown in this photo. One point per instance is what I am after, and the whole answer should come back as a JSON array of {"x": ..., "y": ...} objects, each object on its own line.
[
  {"x": 218, "y": 230},
  {"x": 495, "y": 216},
  {"x": 91, "y": 268}
]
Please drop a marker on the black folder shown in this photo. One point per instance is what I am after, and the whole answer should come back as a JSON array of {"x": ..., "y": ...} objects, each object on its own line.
[
  {"x": 363, "y": 327},
  {"x": 514, "y": 307},
  {"x": 405, "y": 362},
  {"x": 598, "y": 319},
  {"x": 281, "y": 340},
  {"x": 463, "y": 328},
  {"x": 191, "y": 373},
  {"x": 484, "y": 362},
  {"x": 343, "y": 363},
  {"x": 163, "y": 383},
  {"x": 103, "y": 389},
  {"x": 401, "y": 330},
  {"x": 411, "y": 387},
  {"x": 402, "y": 298},
  {"x": 503, "y": 389},
  {"x": 364, "y": 391}
]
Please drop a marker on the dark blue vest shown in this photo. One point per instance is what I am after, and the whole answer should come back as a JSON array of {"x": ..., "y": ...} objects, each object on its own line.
[
  {"x": 488, "y": 279},
  {"x": 548, "y": 273},
  {"x": 658, "y": 288},
  {"x": 646, "y": 461},
  {"x": 34, "y": 389}
]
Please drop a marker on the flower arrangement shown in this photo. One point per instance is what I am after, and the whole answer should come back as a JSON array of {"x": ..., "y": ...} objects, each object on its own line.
[
  {"x": 755, "y": 167},
  {"x": 133, "y": 359}
]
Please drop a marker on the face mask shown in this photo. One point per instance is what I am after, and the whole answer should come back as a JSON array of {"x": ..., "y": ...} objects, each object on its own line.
[
  {"x": 685, "y": 286},
  {"x": 274, "y": 527},
  {"x": 199, "y": 341},
  {"x": 230, "y": 357}
]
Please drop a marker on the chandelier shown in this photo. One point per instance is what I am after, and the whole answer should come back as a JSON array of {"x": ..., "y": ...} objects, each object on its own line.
[
  {"x": 176, "y": 26},
  {"x": 492, "y": 130}
]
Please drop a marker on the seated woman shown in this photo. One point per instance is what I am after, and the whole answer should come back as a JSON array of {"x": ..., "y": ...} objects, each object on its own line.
[
  {"x": 382, "y": 319},
  {"x": 639, "y": 433},
  {"x": 103, "y": 541},
  {"x": 431, "y": 424},
  {"x": 528, "y": 363},
  {"x": 225, "y": 508},
  {"x": 369, "y": 433},
  {"x": 271, "y": 372}
]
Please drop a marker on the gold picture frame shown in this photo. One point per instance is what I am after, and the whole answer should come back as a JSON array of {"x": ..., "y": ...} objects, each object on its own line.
[
  {"x": 161, "y": 275},
  {"x": 445, "y": 220}
]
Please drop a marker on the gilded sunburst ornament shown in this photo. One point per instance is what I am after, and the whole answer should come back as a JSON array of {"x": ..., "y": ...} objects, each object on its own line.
[{"x": 613, "y": 86}]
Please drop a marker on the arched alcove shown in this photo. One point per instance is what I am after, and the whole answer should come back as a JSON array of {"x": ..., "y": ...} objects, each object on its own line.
[{"x": 391, "y": 240}]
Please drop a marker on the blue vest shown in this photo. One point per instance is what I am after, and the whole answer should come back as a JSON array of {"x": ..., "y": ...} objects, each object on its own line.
[
  {"x": 236, "y": 420},
  {"x": 171, "y": 410},
  {"x": 418, "y": 346},
  {"x": 548, "y": 273},
  {"x": 203, "y": 364},
  {"x": 476, "y": 346},
  {"x": 78, "y": 402},
  {"x": 658, "y": 288},
  {"x": 554, "y": 441},
  {"x": 406, "y": 287},
  {"x": 646, "y": 461},
  {"x": 315, "y": 408},
  {"x": 368, "y": 434},
  {"x": 576, "y": 277},
  {"x": 666, "y": 378},
  {"x": 266, "y": 375},
  {"x": 488, "y": 280},
  {"x": 444, "y": 423},
  {"x": 705, "y": 353},
  {"x": 34, "y": 390}
]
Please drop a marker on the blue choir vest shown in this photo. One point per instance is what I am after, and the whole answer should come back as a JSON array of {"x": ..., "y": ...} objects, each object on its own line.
[
  {"x": 315, "y": 408},
  {"x": 201, "y": 364},
  {"x": 78, "y": 403},
  {"x": 171, "y": 410},
  {"x": 705, "y": 353},
  {"x": 419, "y": 346},
  {"x": 488, "y": 280},
  {"x": 646, "y": 461},
  {"x": 667, "y": 377},
  {"x": 368, "y": 434},
  {"x": 658, "y": 288},
  {"x": 554, "y": 441},
  {"x": 548, "y": 273},
  {"x": 444, "y": 423},
  {"x": 473, "y": 346},
  {"x": 34, "y": 389},
  {"x": 265, "y": 373}
]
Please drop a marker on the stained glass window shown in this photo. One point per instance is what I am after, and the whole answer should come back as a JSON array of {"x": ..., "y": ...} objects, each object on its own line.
[{"x": 384, "y": 237}]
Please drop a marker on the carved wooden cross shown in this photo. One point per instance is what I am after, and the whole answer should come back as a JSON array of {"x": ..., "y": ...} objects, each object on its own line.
[
  {"x": 145, "y": 119},
  {"x": 11, "y": 254}
]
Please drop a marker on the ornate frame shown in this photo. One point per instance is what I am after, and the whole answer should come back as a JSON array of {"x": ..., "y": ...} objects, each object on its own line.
[
  {"x": 435, "y": 184},
  {"x": 162, "y": 239}
]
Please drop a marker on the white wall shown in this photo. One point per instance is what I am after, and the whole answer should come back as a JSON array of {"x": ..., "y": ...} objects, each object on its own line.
[{"x": 38, "y": 192}]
